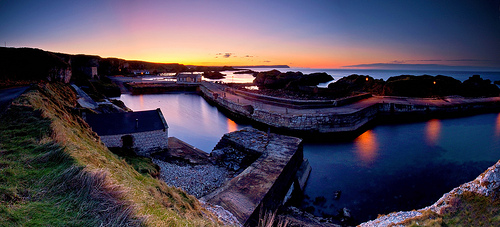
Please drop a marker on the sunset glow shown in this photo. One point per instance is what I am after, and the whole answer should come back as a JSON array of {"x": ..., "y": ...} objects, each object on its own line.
[{"x": 315, "y": 34}]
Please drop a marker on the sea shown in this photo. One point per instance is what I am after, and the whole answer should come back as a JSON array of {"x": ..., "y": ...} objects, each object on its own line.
[{"x": 337, "y": 74}]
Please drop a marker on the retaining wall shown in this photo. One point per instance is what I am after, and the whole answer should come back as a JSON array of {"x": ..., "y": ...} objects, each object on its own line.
[{"x": 145, "y": 143}]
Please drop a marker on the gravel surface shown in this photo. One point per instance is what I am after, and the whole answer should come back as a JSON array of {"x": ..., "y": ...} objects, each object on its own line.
[{"x": 197, "y": 180}]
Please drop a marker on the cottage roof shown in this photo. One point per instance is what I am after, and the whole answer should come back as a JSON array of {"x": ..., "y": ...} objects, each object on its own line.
[{"x": 127, "y": 123}]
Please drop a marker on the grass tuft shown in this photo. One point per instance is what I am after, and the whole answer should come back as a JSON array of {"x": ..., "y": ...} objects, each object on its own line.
[
  {"x": 55, "y": 171},
  {"x": 466, "y": 209}
]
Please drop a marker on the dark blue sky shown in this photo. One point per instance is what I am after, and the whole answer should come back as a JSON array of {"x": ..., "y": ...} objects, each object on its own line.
[{"x": 327, "y": 34}]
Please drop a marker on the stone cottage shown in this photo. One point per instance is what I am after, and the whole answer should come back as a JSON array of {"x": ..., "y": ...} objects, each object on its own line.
[
  {"x": 143, "y": 131},
  {"x": 188, "y": 78}
]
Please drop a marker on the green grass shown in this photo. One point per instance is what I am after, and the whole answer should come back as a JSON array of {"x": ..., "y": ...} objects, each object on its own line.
[
  {"x": 32, "y": 172},
  {"x": 473, "y": 209},
  {"x": 54, "y": 171},
  {"x": 467, "y": 209},
  {"x": 142, "y": 165}
]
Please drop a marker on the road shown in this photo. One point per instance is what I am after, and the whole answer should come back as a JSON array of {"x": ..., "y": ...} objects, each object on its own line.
[{"x": 7, "y": 95}]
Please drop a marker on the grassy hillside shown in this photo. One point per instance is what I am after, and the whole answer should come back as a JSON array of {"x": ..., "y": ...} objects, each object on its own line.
[{"x": 55, "y": 171}]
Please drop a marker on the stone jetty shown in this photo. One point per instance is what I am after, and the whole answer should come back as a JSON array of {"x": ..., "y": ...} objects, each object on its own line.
[
  {"x": 335, "y": 118},
  {"x": 273, "y": 161}
]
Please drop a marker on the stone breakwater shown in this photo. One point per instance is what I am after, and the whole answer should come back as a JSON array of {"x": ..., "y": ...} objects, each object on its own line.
[
  {"x": 486, "y": 184},
  {"x": 263, "y": 185},
  {"x": 347, "y": 118}
]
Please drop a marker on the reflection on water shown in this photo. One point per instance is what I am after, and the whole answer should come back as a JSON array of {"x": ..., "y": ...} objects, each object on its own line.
[
  {"x": 396, "y": 171},
  {"x": 188, "y": 116},
  {"x": 231, "y": 125},
  {"x": 497, "y": 128},
  {"x": 231, "y": 77},
  {"x": 141, "y": 102},
  {"x": 432, "y": 131},
  {"x": 366, "y": 147}
]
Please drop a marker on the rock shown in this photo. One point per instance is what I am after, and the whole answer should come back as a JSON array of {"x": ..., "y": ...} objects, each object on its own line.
[
  {"x": 336, "y": 195},
  {"x": 213, "y": 75},
  {"x": 297, "y": 217},
  {"x": 222, "y": 214},
  {"x": 217, "y": 154},
  {"x": 475, "y": 86},
  {"x": 346, "y": 212},
  {"x": 320, "y": 200},
  {"x": 290, "y": 80}
]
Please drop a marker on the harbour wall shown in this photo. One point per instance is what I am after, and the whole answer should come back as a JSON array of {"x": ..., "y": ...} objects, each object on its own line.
[{"x": 324, "y": 121}]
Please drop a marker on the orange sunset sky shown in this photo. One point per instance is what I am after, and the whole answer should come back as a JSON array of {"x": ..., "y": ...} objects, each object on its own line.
[{"x": 315, "y": 34}]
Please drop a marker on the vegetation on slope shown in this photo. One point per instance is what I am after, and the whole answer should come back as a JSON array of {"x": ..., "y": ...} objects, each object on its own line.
[
  {"x": 468, "y": 209},
  {"x": 55, "y": 171}
]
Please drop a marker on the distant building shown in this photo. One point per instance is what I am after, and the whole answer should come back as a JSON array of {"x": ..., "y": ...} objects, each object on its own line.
[
  {"x": 188, "y": 78},
  {"x": 145, "y": 132}
]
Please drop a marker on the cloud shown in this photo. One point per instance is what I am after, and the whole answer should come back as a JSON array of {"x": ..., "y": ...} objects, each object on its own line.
[
  {"x": 426, "y": 60},
  {"x": 266, "y": 61},
  {"x": 229, "y": 55},
  {"x": 390, "y": 65},
  {"x": 442, "y": 60},
  {"x": 476, "y": 60},
  {"x": 224, "y": 55}
]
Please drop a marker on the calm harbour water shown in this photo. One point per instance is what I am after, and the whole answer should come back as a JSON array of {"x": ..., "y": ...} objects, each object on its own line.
[
  {"x": 400, "y": 167},
  {"x": 189, "y": 117},
  {"x": 388, "y": 168}
]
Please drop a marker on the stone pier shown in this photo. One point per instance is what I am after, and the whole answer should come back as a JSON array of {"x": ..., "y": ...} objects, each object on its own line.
[
  {"x": 349, "y": 117},
  {"x": 262, "y": 186}
]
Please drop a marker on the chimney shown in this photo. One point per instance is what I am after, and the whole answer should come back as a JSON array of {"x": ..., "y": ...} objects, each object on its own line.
[{"x": 136, "y": 123}]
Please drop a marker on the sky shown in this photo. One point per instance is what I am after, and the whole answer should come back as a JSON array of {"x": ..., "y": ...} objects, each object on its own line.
[{"x": 312, "y": 34}]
